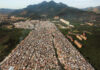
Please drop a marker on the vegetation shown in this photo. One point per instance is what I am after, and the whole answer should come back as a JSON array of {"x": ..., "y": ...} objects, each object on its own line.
[
  {"x": 9, "y": 38},
  {"x": 91, "y": 47}
]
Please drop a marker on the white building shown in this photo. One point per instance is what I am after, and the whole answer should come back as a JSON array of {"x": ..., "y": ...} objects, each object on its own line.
[{"x": 64, "y": 21}]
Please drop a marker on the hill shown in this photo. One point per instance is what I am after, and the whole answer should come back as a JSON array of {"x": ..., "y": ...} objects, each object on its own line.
[
  {"x": 6, "y": 11},
  {"x": 94, "y": 9},
  {"x": 43, "y": 9},
  {"x": 51, "y": 9}
]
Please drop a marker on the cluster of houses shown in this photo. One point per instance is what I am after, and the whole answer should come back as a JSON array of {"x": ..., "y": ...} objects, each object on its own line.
[
  {"x": 61, "y": 26},
  {"x": 79, "y": 37},
  {"x": 87, "y": 23},
  {"x": 17, "y": 18},
  {"x": 90, "y": 24},
  {"x": 67, "y": 23},
  {"x": 56, "y": 17},
  {"x": 45, "y": 48},
  {"x": 6, "y": 18},
  {"x": 3, "y": 17}
]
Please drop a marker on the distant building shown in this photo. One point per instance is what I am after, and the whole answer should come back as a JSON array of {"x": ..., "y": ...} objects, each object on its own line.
[
  {"x": 63, "y": 27},
  {"x": 16, "y": 18},
  {"x": 64, "y": 21},
  {"x": 83, "y": 37},
  {"x": 60, "y": 26},
  {"x": 70, "y": 38},
  {"x": 56, "y": 17},
  {"x": 78, "y": 37},
  {"x": 3, "y": 17},
  {"x": 12, "y": 17},
  {"x": 79, "y": 45},
  {"x": 72, "y": 26},
  {"x": 82, "y": 24},
  {"x": 90, "y": 24}
]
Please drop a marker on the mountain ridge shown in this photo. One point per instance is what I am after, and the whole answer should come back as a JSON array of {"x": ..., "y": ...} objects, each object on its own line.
[
  {"x": 6, "y": 10},
  {"x": 93, "y": 9},
  {"x": 51, "y": 9}
]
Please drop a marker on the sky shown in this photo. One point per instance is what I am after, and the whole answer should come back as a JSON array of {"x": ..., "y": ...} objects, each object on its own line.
[{"x": 18, "y": 4}]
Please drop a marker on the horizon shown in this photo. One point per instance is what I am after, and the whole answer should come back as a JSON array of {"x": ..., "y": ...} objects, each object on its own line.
[{"x": 24, "y": 3}]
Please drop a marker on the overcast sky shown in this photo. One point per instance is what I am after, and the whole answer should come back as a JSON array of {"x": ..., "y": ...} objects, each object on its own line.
[{"x": 17, "y": 4}]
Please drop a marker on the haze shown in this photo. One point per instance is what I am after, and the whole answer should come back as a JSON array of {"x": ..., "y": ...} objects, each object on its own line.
[{"x": 18, "y": 4}]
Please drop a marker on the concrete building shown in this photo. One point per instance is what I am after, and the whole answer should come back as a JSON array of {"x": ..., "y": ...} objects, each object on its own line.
[
  {"x": 56, "y": 17},
  {"x": 69, "y": 37},
  {"x": 79, "y": 45},
  {"x": 45, "y": 48},
  {"x": 90, "y": 24},
  {"x": 64, "y": 21},
  {"x": 83, "y": 37},
  {"x": 16, "y": 18},
  {"x": 78, "y": 37}
]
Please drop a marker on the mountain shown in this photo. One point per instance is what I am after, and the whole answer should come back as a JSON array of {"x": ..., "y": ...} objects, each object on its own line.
[
  {"x": 51, "y": 9},
  {"x": 94, "y": 9},
  {"x": 6, "y": 11},
  {"x": 43, "y": 9}
]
